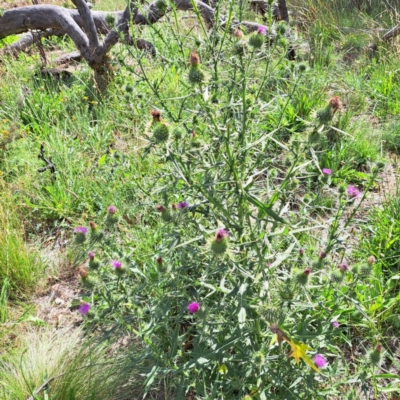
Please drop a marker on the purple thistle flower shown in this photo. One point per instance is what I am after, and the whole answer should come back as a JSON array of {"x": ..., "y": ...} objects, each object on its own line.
[
  {"x": 112, "y": 210},
  {"x": 81, "y": 229},
  {"x": 262, "y": 30},
  {"x": 193, "y": 307},
  {"x": 322, "y": 255},
  {"x": 327, "y": 171},
  {"x": 91, "y": 255},
  {"x": 335, "y": 324},
  {"x": 320, "y": 361},
  {"x": 116, "y": 264},
  {"x": 307, "y": 271},
  {"x": 221, "y": 234},
  {"x": 353, "y": 192},
  {"x": 182, "y": 204},
  {"x": 84, "y": 308},
  {"x": 301, "y": 251}
]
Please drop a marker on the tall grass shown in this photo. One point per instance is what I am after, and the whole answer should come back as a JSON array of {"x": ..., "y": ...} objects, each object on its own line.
[
  {"x": 20, "y": 266},
  {"x": 59, "y": 365}
]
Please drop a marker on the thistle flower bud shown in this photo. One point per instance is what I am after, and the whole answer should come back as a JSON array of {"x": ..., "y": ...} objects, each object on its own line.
[
  {"x": 371, "y": 260},
  {"x": 337, "y": 276},
  {"x": 165, "y": 214},
  {"x": 238, "y": 32},
  {"x": 335, "y": 104},
  {"x": 257, "y": 40},
  {"x": 302, "y": 276},
  {"x": 80, "y": 234},
  {"x": 365, "y": 269},
  {"x": 93, "y": 262},
  {"x": 196, "y": 75},
  {"x": 375, "y": 356},
  {"x": 83, "y": 272},
  {"x": 95, "y": 232},
  {"x": 220, "y": 243},
  {"x": 111, "y": 215},
  {"x": 343, "y": 267},
  {"x": 194, "y": 59},
  {"x": 156, "y": 116},
  {"x": 160, "y": 132}
]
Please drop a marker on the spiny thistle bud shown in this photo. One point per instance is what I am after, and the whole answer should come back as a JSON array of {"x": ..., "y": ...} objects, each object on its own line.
[
  {"x": 80, "y": 234},
  {"x": 342, "y": 189},
  {"x": 302, "y": 67},
  {"x": 160, "y": 132},
  {"x": 322, "y": 255},
  {"x": 196, "y": 75},
  {"x": 117, "y": 266},
  {"x": 111, "y": 215},
  {"x": 375, "y": 356},
  {"x": 301, "y": 252},
  {"x": 165, "y": 214},
  {"x": 302, "y": 276},
  {"x": 257, "y": 40},
  {"x": 220, "y": 243},
  {"x": 95, "y": 232},
  {"x": 325, "y": 115},
  {"x": 194, "y": 59},
  {"x": 281, "y": 28},
  {"x": 159, "y": 260},
  {"x": 177, "y": 133},
  {"x": 337, "y": 276},
  {"x": 239, "y": 48},
  {"x": 354, "y": 269},
  {"x": 93, "y": 262},
  {"x": 365, "y": 269}
]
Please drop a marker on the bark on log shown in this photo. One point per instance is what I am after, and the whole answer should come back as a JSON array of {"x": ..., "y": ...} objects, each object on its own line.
[{"x": 392, "y": 33}]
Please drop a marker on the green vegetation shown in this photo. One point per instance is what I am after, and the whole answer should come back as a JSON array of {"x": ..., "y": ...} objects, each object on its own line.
[
  {"x": 218, "y": 203},
  {"x": 20, "y": 266}
]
